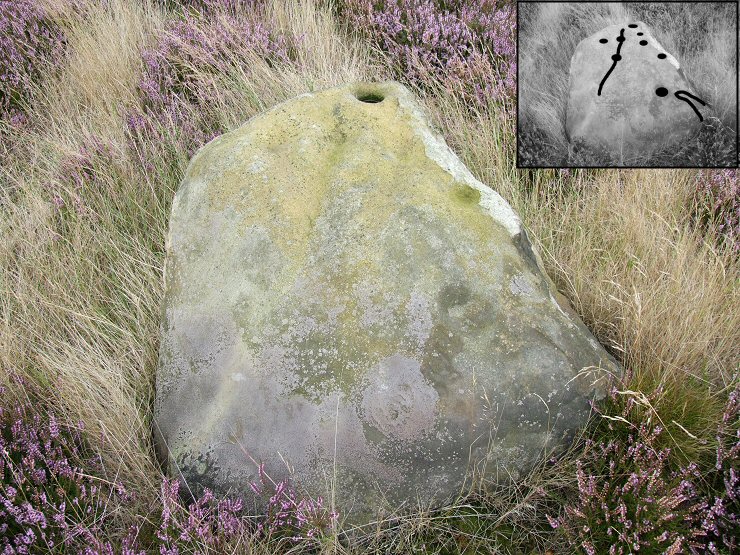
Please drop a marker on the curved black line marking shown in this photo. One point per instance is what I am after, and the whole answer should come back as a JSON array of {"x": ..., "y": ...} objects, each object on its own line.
[
  {"x": 699, "y": 100},
  {"x": 616, "y": 59},
  {"x": 687, "y": 93}
]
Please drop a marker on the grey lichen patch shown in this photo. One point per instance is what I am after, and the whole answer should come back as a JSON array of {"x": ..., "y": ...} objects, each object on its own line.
[
  {"x": 419, "y": 318},
  {"x": 320, "y": 365},
  {"x": 519, "y": 285},
  {"x": 398, "y": 401}
]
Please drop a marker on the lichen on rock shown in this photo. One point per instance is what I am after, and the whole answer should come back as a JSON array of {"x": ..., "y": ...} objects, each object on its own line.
[{"x": 342, "y": 295}]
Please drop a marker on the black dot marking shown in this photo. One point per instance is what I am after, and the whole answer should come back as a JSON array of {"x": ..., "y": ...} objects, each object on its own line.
[
  {"x": 643, "y": 43},
  {"x": 603, "y": 41},
  {"x": 632, "y": 25},
  {"x": 616, "y": 57},
  {"x": 661, "y": 91},
  {"x": 640, "y": 34},
  {"x": 661, "y": 56},
  {"x": 620, "y": 39}
]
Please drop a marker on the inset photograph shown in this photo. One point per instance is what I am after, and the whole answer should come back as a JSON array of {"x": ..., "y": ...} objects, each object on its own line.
[{"x": 627, "y": 84}]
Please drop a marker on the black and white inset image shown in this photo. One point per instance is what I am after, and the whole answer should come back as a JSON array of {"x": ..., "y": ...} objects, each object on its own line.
[{"x": 628, "y": 84}]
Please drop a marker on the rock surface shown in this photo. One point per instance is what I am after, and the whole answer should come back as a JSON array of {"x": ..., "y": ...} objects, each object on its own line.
[
  {"x": 622, "y": 103},
  {"x": 344, "y": 298}
]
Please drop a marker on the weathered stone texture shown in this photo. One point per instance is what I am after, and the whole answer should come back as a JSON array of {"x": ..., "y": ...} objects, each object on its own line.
[
  {"x": 339, "y": 288},
  {"x": 637, "y": 113}
]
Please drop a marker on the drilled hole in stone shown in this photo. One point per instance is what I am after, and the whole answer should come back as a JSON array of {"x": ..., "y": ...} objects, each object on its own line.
[{"x": 370, "y": 97}]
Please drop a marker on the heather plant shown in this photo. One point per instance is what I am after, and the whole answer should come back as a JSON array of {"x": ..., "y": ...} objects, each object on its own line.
[
  {"x": 468, "y": 46},
  {"x": 632, "y": 498},
  {"x": 76, "y": 174},
  {"x": 30, "y": 42},
  {"x": 726, "y": 506},
  {"x": 182, "y": 72},
  {"x": 206, "y": 522},
  {"x": 47, "y": 501},
  {"x": 290, "y": 515},
  {"x": 217, "y": 524},
  {"x": 717, "y": 202}
]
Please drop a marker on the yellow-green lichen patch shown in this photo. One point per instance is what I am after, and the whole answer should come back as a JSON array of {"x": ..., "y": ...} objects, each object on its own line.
[
  {"x": 295, "y": 186},
  {"x": 465, "y": 194}
]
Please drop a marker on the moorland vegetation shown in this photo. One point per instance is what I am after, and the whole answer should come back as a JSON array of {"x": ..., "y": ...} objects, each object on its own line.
[{"x": 104, "y": 102}]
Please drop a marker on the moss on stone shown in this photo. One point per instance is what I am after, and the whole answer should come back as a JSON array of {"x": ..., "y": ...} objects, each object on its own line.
[{"x": 466, "y": 195}]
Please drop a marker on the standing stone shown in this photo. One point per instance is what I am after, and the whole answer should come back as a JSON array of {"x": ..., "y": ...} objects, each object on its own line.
[
  {"x": 628, "y": 99},
  {"x": 344, "y": 299}
]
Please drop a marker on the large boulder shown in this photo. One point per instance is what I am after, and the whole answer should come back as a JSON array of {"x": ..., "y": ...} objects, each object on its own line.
[
  {"x": 628, "y": 99},
  {"x": 348, "y": 305}
]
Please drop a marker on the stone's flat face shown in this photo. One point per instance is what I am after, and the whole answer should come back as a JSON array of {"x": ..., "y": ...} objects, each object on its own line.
[
  {"x": 344, "y": 297},
  {"x": 628, "y": 97}
]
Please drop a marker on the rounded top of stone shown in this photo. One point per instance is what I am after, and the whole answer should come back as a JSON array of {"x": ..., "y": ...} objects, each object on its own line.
[
  {"x": 373, "y": 93},
  {"x": 626, "y": 34},
  {"x": 382, "y": 101}
]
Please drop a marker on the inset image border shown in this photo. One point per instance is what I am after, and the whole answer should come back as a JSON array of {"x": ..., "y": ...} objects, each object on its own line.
[{"x": 697, "y": 40}]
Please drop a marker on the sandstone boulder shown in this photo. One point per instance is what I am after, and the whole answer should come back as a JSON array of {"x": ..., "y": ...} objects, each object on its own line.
[
  {"x": 628, "y": 99},
  {"x": 347, "y": 304}
]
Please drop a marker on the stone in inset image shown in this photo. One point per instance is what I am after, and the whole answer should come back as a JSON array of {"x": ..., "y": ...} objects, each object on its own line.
[
  {"x": 628, "y": 98},
  {"x": 345, "y": 300}
]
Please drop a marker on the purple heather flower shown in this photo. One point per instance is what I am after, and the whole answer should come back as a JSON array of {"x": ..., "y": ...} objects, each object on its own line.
[
  {"x": 468, "y": 46},
  {"x": 641, "y": 501},
  {"x": 718, "y": 196}
]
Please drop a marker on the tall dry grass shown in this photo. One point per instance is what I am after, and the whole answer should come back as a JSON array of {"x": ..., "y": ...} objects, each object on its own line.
[
  {"x": 655, "y": 290},
  {"x": 80, "y": 304},
  {"x": 81, "y": 294}
]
